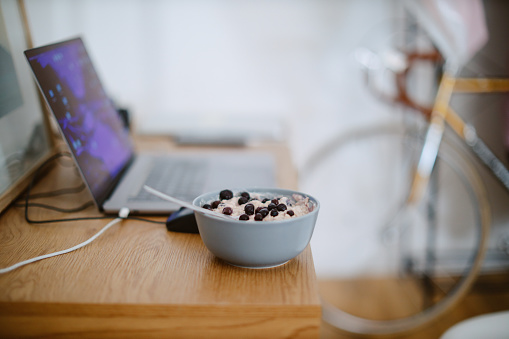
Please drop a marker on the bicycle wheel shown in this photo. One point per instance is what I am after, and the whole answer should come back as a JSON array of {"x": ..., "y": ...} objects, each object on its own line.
[{"x": 384, "y": 268}]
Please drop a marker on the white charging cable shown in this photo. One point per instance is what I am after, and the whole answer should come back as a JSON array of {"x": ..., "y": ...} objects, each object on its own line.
[{"x": 123, "y": 214}]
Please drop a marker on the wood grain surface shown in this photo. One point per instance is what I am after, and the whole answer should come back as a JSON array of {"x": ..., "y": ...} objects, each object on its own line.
[{"x": 139, "y": 280}]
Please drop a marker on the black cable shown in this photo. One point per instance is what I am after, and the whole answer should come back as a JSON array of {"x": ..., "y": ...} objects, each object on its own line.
[
  {"x": 147, "y": 220},
  {"x": 66, "y": 220},
  {"x": 27, "y": 204},
  {"x": 55, "y": 193},
  {"x": 62, "y": 191},
  {"x": 30, "y": 185},
  {"x": 59, "y": 209}
]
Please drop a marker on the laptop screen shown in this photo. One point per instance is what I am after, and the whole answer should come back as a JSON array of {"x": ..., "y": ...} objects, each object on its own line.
[{"x": 87, "y": 118}]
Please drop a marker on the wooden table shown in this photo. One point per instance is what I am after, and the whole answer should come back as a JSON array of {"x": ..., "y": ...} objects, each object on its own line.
[{"x": 138, "y": 280}]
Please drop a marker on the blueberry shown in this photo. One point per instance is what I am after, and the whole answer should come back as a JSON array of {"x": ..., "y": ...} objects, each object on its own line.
[
  {"x": 271, "y": 206},
  {"x": 290, "y": 213},
  {"x": 245, "y": 195},
  {"x": 207, "y": 206},
  {"x": 244, "y": 217},
  {"x": 225, "y": 195},
  {"x": 214, "y": 204},
  {"x": 243, "y": 200},
  {"x": 274, "y": 212},
  {"x": 264, "y": 211},
  {"x": 264, "y": 201},
  {"x": 227, "y": 210},
  {"x": 258, "y": 217},
  {"x": 249, "y": 209},
  {"x": 281, "y": 207},
  {"x": 275, "y": 201}
]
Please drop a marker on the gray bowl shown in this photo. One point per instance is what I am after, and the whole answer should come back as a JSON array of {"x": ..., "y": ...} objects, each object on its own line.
[{"x": 256, "y": 244}]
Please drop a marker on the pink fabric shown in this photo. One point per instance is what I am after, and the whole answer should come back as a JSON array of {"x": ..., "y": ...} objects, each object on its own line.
[{"x": 457, "y": 27}]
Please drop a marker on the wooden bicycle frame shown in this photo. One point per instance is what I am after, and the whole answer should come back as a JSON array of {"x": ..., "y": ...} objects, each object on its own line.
[{"x": 443, "y": 114}]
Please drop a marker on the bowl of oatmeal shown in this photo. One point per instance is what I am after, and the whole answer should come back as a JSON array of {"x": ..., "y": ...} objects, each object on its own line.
[{"x": 257, "y": 227}]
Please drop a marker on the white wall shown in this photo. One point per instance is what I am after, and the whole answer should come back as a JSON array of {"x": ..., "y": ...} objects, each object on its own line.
[{"x": 166, "y": 60}]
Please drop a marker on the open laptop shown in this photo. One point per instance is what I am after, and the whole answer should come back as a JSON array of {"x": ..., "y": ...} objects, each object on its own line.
[{"x": 103, "y": 149}]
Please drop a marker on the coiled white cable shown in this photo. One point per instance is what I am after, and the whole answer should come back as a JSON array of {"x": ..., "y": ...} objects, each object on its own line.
[{"x": 123, "y": 214}]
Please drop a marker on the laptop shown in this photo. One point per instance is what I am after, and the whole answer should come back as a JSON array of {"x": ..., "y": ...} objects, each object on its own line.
[{"x": 103, "y": 148}]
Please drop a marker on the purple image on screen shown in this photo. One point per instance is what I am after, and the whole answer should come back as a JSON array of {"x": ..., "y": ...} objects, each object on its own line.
[{"x": 86, "y": 116}]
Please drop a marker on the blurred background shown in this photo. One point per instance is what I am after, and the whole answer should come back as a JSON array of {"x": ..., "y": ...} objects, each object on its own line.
[
  {"x": 283, "y": 65},
  {"x": 278, "y": 70}
]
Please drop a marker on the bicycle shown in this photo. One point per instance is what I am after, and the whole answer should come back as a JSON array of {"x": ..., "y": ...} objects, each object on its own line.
[{"x": 415, "y": 281}]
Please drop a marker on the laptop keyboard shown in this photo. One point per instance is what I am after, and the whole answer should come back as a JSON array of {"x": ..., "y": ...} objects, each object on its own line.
[{"x": 182, "y": 179}]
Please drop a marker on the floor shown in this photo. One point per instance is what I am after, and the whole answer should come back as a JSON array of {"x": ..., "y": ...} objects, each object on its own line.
[{"x": 488, "y": 295}]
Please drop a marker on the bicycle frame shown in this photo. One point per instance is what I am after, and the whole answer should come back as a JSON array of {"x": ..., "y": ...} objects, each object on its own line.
[{"x": 442, "y": 115}]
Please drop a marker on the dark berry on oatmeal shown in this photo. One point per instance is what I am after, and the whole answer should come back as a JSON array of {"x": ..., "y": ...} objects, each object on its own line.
[
  {"x": 242, "y": 200},
  {"x": 264, "y": 212},
  {"x": 225, "y": 194},
  {"x": 281, "y": 207},
  {"x": 249, "y": 209}
]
